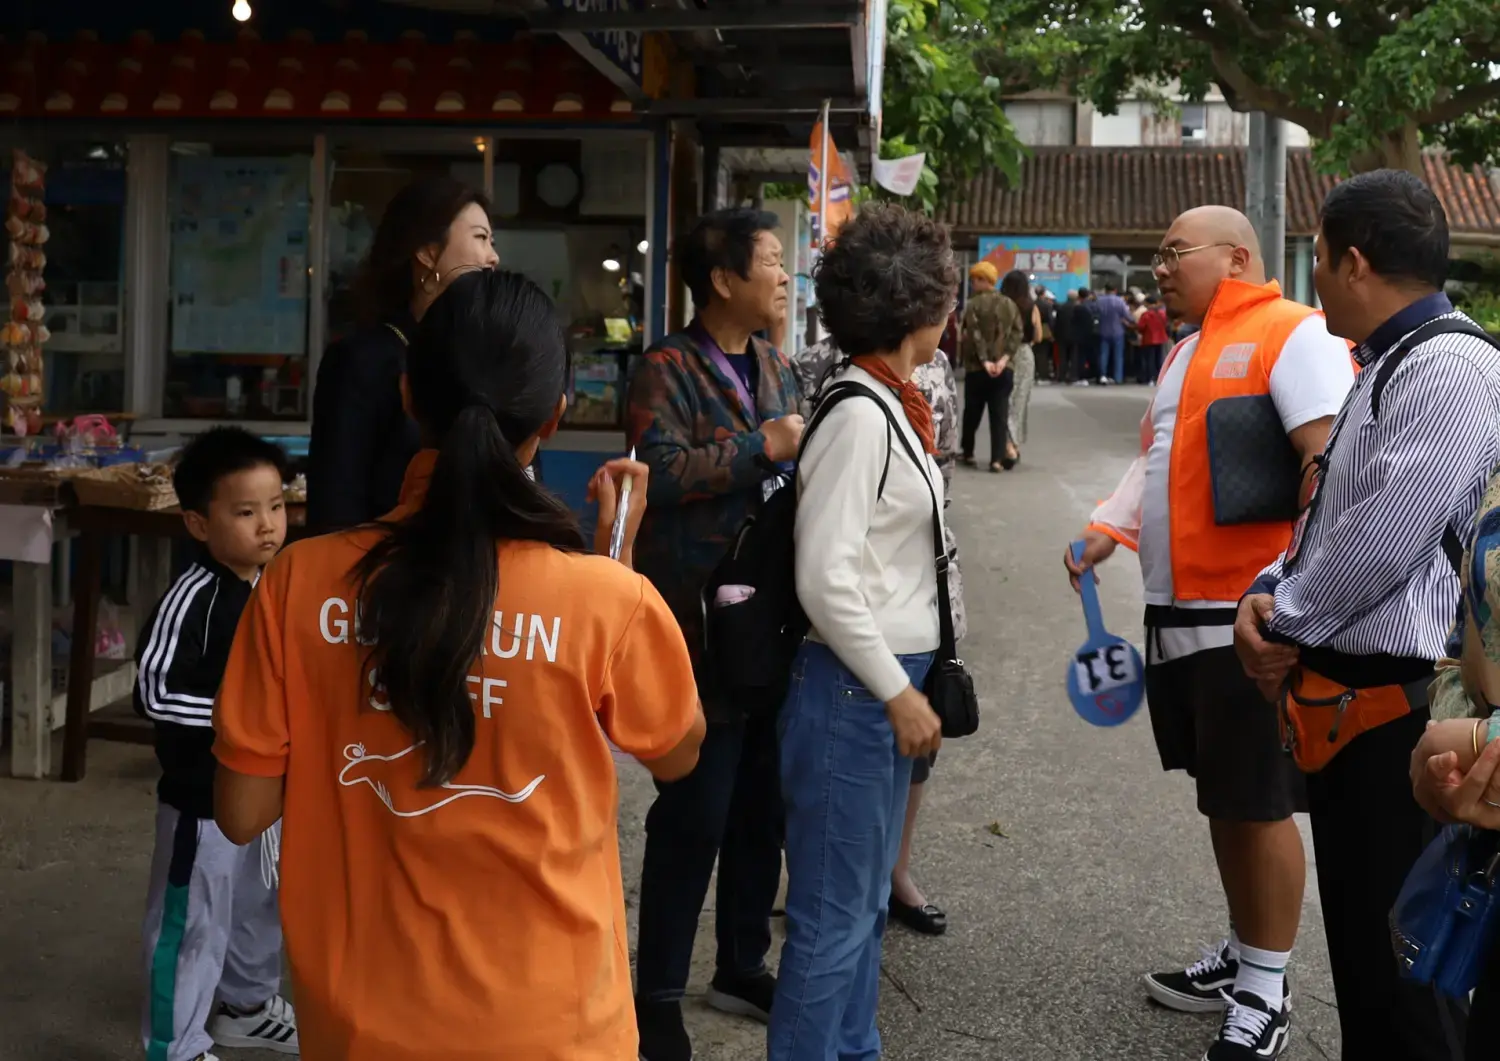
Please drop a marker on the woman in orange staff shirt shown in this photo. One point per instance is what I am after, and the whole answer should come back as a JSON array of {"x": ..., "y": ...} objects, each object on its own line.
[{"x": 425, "y": 703}]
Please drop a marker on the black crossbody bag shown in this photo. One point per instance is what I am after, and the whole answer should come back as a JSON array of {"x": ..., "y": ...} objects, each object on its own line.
[{"x": 949, "y": 687}]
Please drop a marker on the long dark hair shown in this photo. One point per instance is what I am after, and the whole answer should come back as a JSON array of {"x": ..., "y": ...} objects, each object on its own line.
[
  {"x": 419, "y": 216},
  {"x": 487, "y": 366},
  {"x": 1016, "y": 286}
]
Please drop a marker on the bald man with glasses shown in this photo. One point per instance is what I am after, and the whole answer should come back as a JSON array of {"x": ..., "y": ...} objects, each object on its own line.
[{"x": 1271, "y": 359}]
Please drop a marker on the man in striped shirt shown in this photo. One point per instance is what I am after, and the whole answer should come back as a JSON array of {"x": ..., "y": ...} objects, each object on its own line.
[{"x": 1366, "y": 590}]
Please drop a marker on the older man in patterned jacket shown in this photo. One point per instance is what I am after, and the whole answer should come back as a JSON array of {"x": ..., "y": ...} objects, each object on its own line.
[{"x": 938, "y": 383}]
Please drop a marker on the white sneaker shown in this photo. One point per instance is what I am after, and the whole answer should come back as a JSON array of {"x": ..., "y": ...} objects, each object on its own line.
[{"x": 272, "y": 1027}]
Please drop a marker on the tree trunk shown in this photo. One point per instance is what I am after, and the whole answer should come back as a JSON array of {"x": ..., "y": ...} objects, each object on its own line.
[{"x": 1400, "y": 149}]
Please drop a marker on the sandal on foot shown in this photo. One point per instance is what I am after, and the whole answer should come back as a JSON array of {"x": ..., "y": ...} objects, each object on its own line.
[
  {"x": 1010, "y": 462},
  {"x": 927, "y": 919},
  {"x": 997, "y": 466}
]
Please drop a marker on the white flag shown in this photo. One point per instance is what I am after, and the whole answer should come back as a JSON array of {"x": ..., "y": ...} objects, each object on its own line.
[{"x": 900, "y": 175}]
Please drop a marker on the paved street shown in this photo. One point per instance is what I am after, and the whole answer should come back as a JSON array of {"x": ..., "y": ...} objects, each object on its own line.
[{"x": 1067, "y": 861}]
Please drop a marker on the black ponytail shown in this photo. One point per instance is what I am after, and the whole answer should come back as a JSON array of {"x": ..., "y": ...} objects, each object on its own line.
[{"x": 485, "y": 372}]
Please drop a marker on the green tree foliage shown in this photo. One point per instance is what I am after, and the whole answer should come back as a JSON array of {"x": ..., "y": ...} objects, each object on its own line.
[
  {"x": 937, "y": 98},
  {"x": 1371, "y": 80}
]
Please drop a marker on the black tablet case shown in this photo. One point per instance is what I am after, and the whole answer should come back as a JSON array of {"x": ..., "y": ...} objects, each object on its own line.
[{"x": 1254, "y": 467}]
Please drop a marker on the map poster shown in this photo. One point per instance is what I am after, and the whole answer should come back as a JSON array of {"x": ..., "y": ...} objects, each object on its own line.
[
  {"x": 239, "y": 255},
  {"x": 1058, "y": 263}
]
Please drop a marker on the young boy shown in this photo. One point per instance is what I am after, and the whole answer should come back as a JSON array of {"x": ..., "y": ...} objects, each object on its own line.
[{"x": 212, "y": 932}]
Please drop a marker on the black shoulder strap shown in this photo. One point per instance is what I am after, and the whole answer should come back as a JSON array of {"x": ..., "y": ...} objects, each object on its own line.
[
  {"x": 1453, "y": 546},
  {"x": 947, "y": 640},
  {"x": 1392, "y": 360}
]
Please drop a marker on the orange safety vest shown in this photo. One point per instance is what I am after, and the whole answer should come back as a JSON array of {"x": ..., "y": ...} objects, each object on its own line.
[{"x": 1241, "y": 338}]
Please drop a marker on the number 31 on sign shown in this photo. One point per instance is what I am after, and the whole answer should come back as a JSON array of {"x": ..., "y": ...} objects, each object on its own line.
[{"x": 1105, "y": 682}]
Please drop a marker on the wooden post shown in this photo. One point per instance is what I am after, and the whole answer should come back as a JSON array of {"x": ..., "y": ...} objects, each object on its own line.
[
  {"x": 81, "y": 660},
  {"x": 31, "y": 671}
]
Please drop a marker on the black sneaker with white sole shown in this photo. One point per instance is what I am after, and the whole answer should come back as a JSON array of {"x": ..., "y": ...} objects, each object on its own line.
[
  {"x": 743, "y": 996},
  {"x": 1201, "y": 987},
  {"x": 1251, "y": 1031},
  {"x": 663, "y": 1037}
]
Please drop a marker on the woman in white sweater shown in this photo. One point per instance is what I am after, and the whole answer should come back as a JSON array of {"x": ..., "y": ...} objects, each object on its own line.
[{"x": 855, "y": 715}]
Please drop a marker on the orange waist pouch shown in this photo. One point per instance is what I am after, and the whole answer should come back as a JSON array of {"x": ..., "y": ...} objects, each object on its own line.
[{"x": 1319, "y": 717}]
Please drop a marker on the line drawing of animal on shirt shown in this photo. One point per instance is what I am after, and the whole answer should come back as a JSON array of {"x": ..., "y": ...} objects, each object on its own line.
[{"x": 363, "y": 765}]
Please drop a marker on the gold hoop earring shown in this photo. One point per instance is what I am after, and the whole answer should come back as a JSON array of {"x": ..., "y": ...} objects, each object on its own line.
[{"x": 431, "y": 282}]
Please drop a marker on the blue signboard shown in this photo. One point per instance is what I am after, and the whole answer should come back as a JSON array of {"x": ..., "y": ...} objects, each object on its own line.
[
  {"x": 621, "y": 49},
  {"x": 1058, "y": 263}
]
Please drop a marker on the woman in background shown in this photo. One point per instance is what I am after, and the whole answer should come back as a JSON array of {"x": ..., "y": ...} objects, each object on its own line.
[
  {"x": 1016, "y": 286},
  {"x": 434, "y": 229}
]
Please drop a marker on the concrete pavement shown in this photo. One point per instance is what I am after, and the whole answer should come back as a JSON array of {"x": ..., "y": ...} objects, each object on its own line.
[{"x": 1102, "y": 871}]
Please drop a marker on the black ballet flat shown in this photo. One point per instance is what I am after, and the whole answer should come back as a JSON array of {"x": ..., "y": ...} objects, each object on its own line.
[
  {"x": 929, "y": 920},
  {"x": 1010, "y": 462}
]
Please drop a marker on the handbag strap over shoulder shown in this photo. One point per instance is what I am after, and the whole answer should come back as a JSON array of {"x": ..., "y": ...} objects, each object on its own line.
[{"x": 947, "y": 641}]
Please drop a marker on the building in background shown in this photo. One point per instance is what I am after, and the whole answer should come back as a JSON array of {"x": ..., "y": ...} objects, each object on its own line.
[{"x": 1117, "y": 181}]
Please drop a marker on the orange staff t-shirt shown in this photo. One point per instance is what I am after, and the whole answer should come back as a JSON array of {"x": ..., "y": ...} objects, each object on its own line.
[{"x": 484, "y": 918}]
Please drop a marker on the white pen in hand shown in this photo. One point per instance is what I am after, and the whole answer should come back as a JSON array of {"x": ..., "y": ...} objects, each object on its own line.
[{"x": 617, "y": 532}]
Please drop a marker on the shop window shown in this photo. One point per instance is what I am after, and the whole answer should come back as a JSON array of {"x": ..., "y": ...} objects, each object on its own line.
[
  {"x": 83, "y": 362},
  {"x": 1194, "y": 123},
  {"x": 238, "y": 319}
]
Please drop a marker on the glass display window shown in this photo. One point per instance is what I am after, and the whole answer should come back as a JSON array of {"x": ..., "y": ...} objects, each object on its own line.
[
  {"x": 238, "y": 280},
  {"x": 83, "y": 361}
]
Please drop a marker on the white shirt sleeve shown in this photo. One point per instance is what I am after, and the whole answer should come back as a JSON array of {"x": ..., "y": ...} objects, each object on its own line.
[
  {"x": 838, "y": 483},
  {"x": 1312, "y": 376}
]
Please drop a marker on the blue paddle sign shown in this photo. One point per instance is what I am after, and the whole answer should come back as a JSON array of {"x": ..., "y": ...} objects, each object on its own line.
[{"x": 1106, "y": 680}]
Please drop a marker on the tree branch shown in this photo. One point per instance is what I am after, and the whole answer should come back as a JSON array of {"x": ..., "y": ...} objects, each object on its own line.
[
  {"x": 1235, "y": 9},
  {"x": 1465, "y": 102},
  {"x": 1240, "y": 88}
]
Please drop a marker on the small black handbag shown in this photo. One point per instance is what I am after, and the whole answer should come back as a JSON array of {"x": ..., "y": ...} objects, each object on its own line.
[{"x": 949, "y": 687}]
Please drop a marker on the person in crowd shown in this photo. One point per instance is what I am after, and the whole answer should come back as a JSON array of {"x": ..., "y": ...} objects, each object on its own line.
[
  {"x": 708, "y": 411},
  {"x": 430, "y": 701},
  {"x": 1454, "y": 771},
  {"x": 1046, "y": 347},
  {"x": 1016, "y": 286},
  {"x": 1362, "y": 607},
  {"x": 1062, "y": 334},
  {"x": 1085, "y": 338},
  {"x": 362, "y": 440},
  {"x": 992, "y": 333},
  {"x": 855, "y": 717},
  {"x": 1152, "y": 329},
  {"x": 212, "y": 933},
  {"x": 1208, "y": 717},
  {"x": 939, "y": 385},
  {"x": 1135, "y": 303},
  {"x": 1113, "y": 315}
]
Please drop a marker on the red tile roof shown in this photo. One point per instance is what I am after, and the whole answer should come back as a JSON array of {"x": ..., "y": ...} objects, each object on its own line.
[
  {"x": 1139, "y": 190},
  {"x": 467, "y": 79}
]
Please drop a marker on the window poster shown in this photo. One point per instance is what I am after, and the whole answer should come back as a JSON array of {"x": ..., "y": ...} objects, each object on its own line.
[{"x": 239, "y": 255}]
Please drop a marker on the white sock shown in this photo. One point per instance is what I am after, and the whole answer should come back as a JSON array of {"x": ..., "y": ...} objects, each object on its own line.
[
  {"x": 1263, "y": 973},
  {"x": 1234, "y": 944}
]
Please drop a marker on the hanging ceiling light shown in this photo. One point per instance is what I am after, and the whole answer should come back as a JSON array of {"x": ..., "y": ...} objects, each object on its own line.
[
  {"x": 241, "y": 10},
  {"x": 643, "y": 246},
  {"x": 612, "y": 256}
]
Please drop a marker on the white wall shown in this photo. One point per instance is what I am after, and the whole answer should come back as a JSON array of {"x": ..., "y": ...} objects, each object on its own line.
[{"x": 1043, "y": 122}]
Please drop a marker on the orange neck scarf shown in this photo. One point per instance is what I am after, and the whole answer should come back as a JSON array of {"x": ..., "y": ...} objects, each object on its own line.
[{"x": 913, "y": 401}]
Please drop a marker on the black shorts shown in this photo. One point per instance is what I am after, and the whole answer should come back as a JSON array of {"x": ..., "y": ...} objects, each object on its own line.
[{"x": 1210, "y": 720}]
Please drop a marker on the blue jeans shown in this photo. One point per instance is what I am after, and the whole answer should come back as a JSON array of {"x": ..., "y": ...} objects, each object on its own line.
[
  {"x": 1112, "y": 357},
  {"x": 845, "y": 788}
]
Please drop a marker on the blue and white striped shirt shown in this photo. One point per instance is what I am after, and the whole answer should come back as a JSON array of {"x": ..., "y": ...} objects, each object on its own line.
[{"x": 1371, "y": 576}]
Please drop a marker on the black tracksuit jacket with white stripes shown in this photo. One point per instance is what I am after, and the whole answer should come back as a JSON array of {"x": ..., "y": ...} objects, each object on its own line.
[{"x": 180, "y": 663}]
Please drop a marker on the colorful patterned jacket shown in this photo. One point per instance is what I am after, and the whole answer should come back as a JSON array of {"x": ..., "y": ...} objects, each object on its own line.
[{"x": 689, "y": 426}]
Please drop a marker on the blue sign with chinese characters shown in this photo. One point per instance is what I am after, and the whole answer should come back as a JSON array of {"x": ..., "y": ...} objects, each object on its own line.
[
  {"x": 621, "y": 49},
  {"x": 1058, "y": 263}
]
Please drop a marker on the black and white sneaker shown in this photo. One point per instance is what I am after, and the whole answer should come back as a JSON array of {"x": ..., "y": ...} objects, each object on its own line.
[
  {"x": 1201, "y": 987},
  {"x": 1251, "y": 1031},
  {"x": 272, "y": 1027}
]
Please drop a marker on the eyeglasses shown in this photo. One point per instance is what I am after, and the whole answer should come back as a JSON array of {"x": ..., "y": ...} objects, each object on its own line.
[{"x": 1170, "y": 258}]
